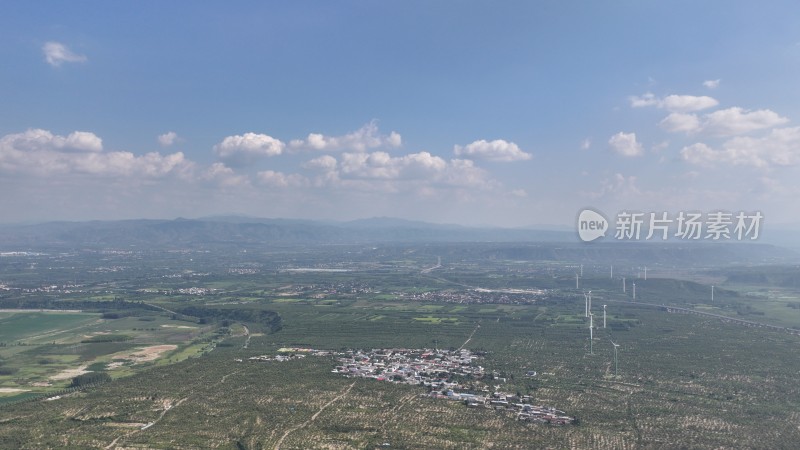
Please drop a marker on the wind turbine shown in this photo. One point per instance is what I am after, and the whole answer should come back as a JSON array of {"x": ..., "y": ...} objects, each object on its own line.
[
  {"x": 591, "y": 333},
  {"x": 634, "y": 291},
  {"x": 623, "y": 285},
  {"x": 604, "y": 316},
  {"x": 585, "y": 304},
  {"x": 590, "y": 302},
  {"x": 712, "y": 293},
  {"x": 612, "y": 271},
  {"x": 616, "y": 366}
]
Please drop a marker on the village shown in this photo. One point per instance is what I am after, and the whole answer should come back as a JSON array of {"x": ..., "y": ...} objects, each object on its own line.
[
  {"x": 471, "y": 295},
  {"x": 500, "y": 296},
  {"x": 447, "y": 374},
  {"x": 444, "y": 373}
]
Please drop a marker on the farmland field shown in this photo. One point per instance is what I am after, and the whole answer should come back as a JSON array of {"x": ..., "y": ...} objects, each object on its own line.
[
  {"x": 43, "y": 350},
  {"x": 177, "y": 356},
  {"x": 41, "y": 326},
  {"x": 705, "y": 389}
]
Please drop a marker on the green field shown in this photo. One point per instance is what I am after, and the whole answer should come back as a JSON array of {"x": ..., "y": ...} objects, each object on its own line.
[
  {"x": 41, "y": 349},
  {"x": 35, "y": 327},
  {"x": 684, "y": 381}
]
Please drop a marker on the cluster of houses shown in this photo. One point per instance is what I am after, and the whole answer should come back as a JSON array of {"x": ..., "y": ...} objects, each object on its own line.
[
  {"x": 187, "y": 274},
  {"x": 50, "y": 289},
  {"x": 243, "y": 270},
  {"x": 200, "y": 291},
  {"x": 267, "y": 358},
  {"x": 195, "y": 291},
  {"x": 287, "y": 354},
  {"x": 108, "y": 269},
  {"x": 443, "y": 372},
  {"x": 505, "y": 296},
  {"x": 322, "y": 290},
  {"x": 519, "y": 404},
  {"x": 427, "y": 367}
]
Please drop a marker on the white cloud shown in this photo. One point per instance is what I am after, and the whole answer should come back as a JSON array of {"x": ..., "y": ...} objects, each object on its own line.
[
  {"x": 618, "y": 185},
  {"x": 711, "y": 84},
  {"x": 33, "y": 139},
  {"x": 648, "y": 99},
  {"x": 151, "y": 164},
  {"x": 687, "y": 103},
  {"x": 223, "y": 175},
  {"x": 586, "y": 144},
  {"x": 674, "y": 103},
  {"x": 282, "y": 180},
  {"x": 245, "y": 148},
  {"x": 700, "y": 154},
  {"x": 625, "y": 144},
  {"x": 168, "y": 139},
  {"x": 38, "y": 139},
  {"x": 681, "y": 122},
  {"x": 56, "y": 53},
  {"x": 497, "y": 150},
  {"x": 732, "y": 121},
  {"x": 382, "y": 172},
  {"x": 40, "y": 152},
  {"x": 464, "y": 173},
  {"x": 365, "y": 138},
  {"x": 325, "y": 163},
  {"x": 382, "y": 165},
  {"x": 779, "y": 148},
  {"x": 723, "y": 122},
  {"x": 84, "y": 141}
]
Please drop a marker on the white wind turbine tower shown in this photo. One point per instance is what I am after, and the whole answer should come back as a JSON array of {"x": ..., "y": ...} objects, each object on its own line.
[
  {"x": 590, "y": 302},
  {"x": 634, "y": 291},
  {"x": 591, "y": 333},
  {"x": 604, "y": 316},
  {"x": 623, "y": 285},
  {"x": 586, "y": 304},
  {"x": 612, "y": 271},
  {"x": 616, "y": 366},
  {"x": 577, "y": 278},
  {"x": 712, "y": 293}
]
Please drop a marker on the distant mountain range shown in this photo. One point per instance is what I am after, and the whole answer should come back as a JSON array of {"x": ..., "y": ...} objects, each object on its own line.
[
  {"x": 227, "y": 230},
  {"x": 238, "y": 231}
]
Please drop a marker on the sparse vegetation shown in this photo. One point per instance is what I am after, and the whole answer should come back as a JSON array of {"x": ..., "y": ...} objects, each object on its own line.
[{"x": 684, "y": 380}]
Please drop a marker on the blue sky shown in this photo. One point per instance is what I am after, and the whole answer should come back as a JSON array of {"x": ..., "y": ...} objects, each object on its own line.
[{"x": 477, "y": 113}]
